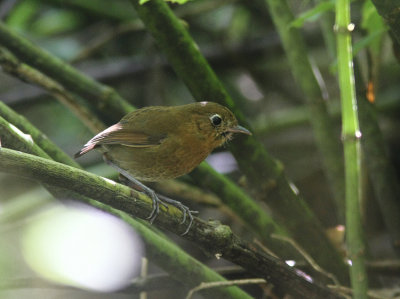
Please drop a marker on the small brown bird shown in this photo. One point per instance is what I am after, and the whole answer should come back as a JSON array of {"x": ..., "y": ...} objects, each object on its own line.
[{"x": 156, "y": 143}]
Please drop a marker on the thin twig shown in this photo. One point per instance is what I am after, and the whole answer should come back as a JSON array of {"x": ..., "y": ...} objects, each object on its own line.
[
  {"x": 307, "y": 257},
  {"x": 219, "y": 284},
  {"x": 348, "y": 293},
  {"x": 143, "y": 274},
  {"x": 264, "y": 248}
]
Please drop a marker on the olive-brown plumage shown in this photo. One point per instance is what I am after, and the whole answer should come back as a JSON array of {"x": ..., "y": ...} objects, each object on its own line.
[{"x": 157, "y": 142}]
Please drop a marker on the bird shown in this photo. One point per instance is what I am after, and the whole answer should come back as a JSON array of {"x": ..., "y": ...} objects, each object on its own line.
[{"x": 156, "y": 143}]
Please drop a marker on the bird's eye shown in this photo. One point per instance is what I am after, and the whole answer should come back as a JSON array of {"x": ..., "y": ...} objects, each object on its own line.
[{"x": 216, "y": 120}]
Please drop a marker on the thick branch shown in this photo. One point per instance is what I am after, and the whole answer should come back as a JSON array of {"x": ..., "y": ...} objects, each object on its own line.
[{"x": 212, "y": 237}]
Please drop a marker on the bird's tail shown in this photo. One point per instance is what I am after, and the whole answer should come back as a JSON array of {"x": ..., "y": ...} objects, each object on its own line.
[{"x": 87, "y": 148}]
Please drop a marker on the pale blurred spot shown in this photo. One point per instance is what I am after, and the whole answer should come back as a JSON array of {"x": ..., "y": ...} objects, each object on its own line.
[
  {"x": 109, "y": 181},
  {"x": 249, "y": 88},
  {"x": 304, "y": 275},
  {"x": 222, "y": 162},
  {"x": 336, "y": 235},
  {"x": 82, "y": 247},
  {"x": 349, "y": 262},
  {"x": 294, "y": 188},
  {"x": 290, "y": 263}
]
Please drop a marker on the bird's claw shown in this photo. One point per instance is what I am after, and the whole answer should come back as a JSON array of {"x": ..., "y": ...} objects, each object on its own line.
[
  {"x": 156, "y": 205},
  {"x": 185, "y": 210}
]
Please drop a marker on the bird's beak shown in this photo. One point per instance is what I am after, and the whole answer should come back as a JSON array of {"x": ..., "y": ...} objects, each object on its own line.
[{"x": 239, "y": 129}]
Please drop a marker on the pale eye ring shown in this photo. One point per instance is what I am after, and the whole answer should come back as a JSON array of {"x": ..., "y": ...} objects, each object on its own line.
[{"x": 216, "y": 120}]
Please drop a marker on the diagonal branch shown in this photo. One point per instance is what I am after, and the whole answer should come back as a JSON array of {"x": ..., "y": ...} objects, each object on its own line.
[{"x": 212, "y": 237}]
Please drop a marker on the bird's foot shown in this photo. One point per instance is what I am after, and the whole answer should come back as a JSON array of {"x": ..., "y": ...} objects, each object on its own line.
[
  {"x": 185, "y": 210},
  {"x": 163, "y": 200},
  {"x": 158, "y": 200}
]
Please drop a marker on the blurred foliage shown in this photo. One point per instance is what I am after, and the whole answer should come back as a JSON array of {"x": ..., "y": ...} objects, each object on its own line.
[
  {"x": 314, "y": 13},
  {"x": 106, "y": 40}
]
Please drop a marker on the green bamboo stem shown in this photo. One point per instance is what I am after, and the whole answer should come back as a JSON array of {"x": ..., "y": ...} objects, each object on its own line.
[
  {"x": 352, "y": 154},
  {"x": 263, "y": 172},
  {"x": 326, "y": 137},
  {"x": 214, "y": 238}
]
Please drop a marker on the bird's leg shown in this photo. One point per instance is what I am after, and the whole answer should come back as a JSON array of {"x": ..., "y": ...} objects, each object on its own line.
[
  {"x": 157, "y": 199},
  {"x": 132, "y": 183},
  {"x": 145, "y": 189}
]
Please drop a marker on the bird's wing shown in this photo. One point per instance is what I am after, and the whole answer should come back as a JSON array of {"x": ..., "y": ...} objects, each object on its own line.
[{"x": 122, "y": 135}]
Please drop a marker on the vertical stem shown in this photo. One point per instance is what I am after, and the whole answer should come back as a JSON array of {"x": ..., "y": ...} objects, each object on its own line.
[{"x": 351, "y": 143}]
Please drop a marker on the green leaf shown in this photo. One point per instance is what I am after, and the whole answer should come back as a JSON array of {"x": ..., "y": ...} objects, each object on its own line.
[
  {"x": 56, "y": 21},
  {"x": 371, "y": 20},
  {"x": 369, "y": 40},
  {"x": 23, "y": 14},
  {"x": 172, "y": 1},
  {"x": 178, "y": 1},
  {"x": 373, "y": 23},
  {"x": 313, "y": 14}
]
